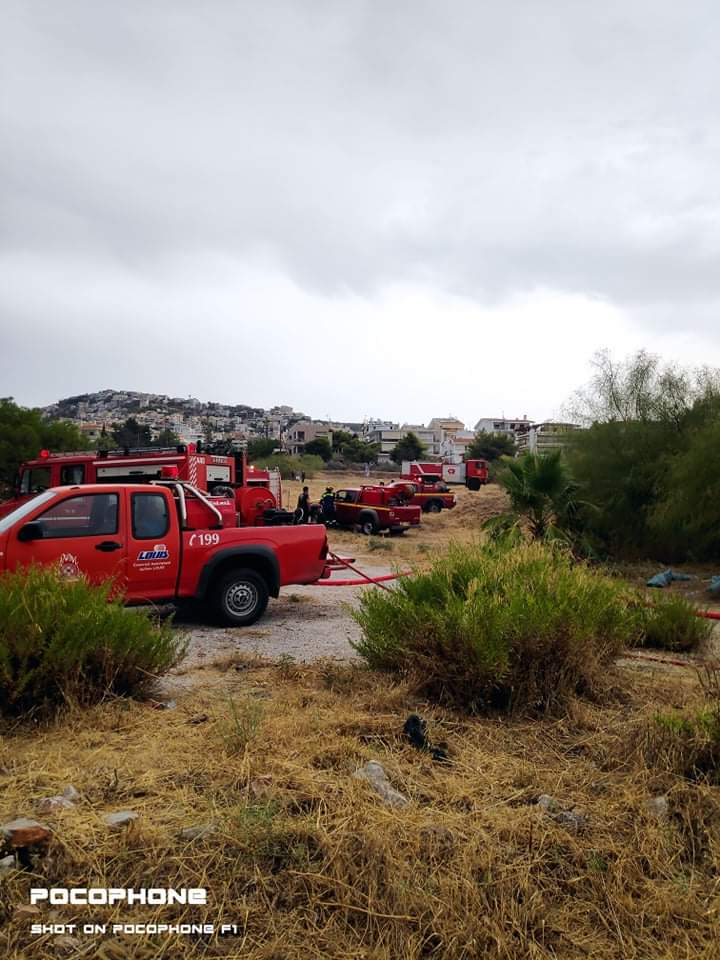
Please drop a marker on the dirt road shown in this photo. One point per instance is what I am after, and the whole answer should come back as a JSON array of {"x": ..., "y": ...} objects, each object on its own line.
[{"x": 305, "y": 623}]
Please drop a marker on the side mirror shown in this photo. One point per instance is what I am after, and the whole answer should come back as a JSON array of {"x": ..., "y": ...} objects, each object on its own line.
[{"x": 31, "y": 531}]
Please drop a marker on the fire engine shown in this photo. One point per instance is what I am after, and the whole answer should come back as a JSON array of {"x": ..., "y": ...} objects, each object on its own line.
[
  {"x": 472, "y": 473},
  {"x": 162, "y": 541},
  {"x": 257, "y": 493}
]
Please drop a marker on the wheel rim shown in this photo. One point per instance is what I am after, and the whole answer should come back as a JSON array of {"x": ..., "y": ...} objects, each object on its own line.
[
  {"x": 434, "y": 508},
  {"x": 367, "y": 528},
  {"x": 241, "y": 598}
]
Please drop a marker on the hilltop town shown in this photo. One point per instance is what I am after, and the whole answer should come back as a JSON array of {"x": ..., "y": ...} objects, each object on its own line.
[{"x": 191, "y": 420}]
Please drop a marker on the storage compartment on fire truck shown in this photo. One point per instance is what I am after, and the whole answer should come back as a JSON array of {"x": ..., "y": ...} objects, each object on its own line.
[{"x": 200, "y": 517}]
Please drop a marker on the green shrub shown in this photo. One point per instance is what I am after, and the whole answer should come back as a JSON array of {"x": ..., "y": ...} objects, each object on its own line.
[
  {"x": 66, "y": 641},
  {"x": 287, "y": 465},
  {"x": 500, "y": 627},
  {"x": 671, "y": 623}
]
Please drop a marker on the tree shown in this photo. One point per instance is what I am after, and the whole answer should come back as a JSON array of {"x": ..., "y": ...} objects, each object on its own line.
[
  {"x": 24, "y": 433},
  {"x": 166, "y": 438},
  {"x": 644, "y": 461},
  {"x": 260, "y": 447},
  {"x": 356, "y": 450},
  {"x": 410, "y": 447},
  {"x": 341, "y": 437},
  {"x": 542, "y": 493},
  {"x": 320, "y": 446},
  {"x": 132, "y": 434},
  {"x": 490, "y": 446}
]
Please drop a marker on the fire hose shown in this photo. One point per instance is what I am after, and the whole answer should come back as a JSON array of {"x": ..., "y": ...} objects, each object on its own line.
[{"x": 342, "y": 563}]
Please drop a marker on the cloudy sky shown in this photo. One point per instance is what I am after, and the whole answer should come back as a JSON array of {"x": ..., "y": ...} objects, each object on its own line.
[{"x": 400, "y": 208}]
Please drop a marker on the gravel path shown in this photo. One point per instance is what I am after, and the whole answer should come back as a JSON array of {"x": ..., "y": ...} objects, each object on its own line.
[{"x": 306, "y": 623}]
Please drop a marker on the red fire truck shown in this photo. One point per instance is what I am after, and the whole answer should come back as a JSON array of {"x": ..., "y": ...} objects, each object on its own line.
[
  {"x": 376, "y": 507},
  {"x": 472, "y": 473},
  {"x": 254, "y": 490},
  {"x": 432, "y": 496},
  {"x": 162, "y": 541}
]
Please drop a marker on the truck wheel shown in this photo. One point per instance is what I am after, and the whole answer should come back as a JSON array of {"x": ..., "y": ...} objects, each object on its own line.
[
  {"x": 434, "y": 506},
  {"x": 368, "y": 525},
  {"x": 473, "y": 484},
  {"x": 240, "y": 597}
]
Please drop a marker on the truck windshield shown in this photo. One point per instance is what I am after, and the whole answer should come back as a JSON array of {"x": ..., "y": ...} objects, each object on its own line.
[
  {"x": 35, "y": 480},
  {"x": 24, "y": 509}
]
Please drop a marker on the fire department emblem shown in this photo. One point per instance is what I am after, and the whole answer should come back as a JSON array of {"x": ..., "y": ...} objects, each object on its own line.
[{"x": 69, "y": 566}]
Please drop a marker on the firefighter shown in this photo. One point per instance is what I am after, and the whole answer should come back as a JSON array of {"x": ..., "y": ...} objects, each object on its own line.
[
  {"x": 327, "y": 505},
  {"x": 302, "y": 513}
]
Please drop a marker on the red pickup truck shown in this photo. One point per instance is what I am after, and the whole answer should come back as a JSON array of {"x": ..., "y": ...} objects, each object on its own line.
[
  {"x": 163, "y": 542},
  {"x": 431, "y": 496},
  {"x": 373, "y": 508}
]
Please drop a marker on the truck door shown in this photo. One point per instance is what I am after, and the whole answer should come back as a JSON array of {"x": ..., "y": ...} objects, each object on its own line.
[
  {"x": 82, "y": 534},
  {"x": 153, "y": 546}
]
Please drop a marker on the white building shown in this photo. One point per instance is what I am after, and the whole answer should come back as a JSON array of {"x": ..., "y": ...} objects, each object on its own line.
[{"x": 502, "y": 425}]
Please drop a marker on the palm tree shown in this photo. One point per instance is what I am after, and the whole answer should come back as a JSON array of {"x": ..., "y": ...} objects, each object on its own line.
[{"x": 542, "y": 492}]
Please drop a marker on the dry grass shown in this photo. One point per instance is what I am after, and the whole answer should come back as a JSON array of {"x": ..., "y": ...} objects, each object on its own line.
[{"x": 309, "y": 863}]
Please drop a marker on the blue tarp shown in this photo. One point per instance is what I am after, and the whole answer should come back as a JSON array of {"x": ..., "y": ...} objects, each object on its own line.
[
  {"x": 665, "y": 578},
  {"x": 714, "y": 584}
]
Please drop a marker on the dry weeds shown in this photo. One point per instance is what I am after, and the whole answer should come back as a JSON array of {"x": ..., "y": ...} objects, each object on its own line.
[
  {"x": 309, "y": 863},
  {"x": 461, "y": 524}
]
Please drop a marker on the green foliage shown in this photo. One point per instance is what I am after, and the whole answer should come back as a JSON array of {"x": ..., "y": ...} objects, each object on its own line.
[
  {"x": 24, "y": 433},
  {"x": 671, "y": 623},
  {"x": 320, "y": 447},
  {"x": 356, "y": 450},
  {"x": 166, "y": 438},
  {"x": 522, "y": 628},
  {"x": 261, "y": 447},
  {"x": 132, "y": 434},
  {"x": 649, "y": 461},
  {"x": 67, "y": 641},
  {"x": 288, "y": 465},
  {"x": 410, "y": 447},
  {"x": 490, "y": 446},
  {"x": 685, "y": 520},
  {"x": 542, "y": 494},
  {"x": 340, "y": 437}
]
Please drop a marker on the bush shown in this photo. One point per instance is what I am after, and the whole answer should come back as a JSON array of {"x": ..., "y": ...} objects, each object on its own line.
[
  {"x": 66, "y": 641},
  {"x": 288, "y": 465},
  {"x": 522, "y": 628},
  {"x": 671, "y": 623}
]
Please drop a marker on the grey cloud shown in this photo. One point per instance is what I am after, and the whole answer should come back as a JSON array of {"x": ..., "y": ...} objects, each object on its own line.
[{"x": 487, "y": 149}]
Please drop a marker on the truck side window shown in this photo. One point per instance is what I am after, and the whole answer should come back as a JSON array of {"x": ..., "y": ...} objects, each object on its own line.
[
  {"x": 89, "y": 515},
  {"x": 150, "y": 517},
  {"x": 72, "y": 474}
]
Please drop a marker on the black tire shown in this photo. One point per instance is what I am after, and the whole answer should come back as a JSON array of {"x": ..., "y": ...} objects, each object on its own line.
[
  {"x": 368, "y": 524},
  {"x": 473, "y": 484},
  {"x": 434, "y": 506},
  {"x": 239, "y": 597}
]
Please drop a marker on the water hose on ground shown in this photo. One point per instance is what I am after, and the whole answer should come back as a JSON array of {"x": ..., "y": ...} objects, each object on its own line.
[{"x": 366, "y": 578}]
